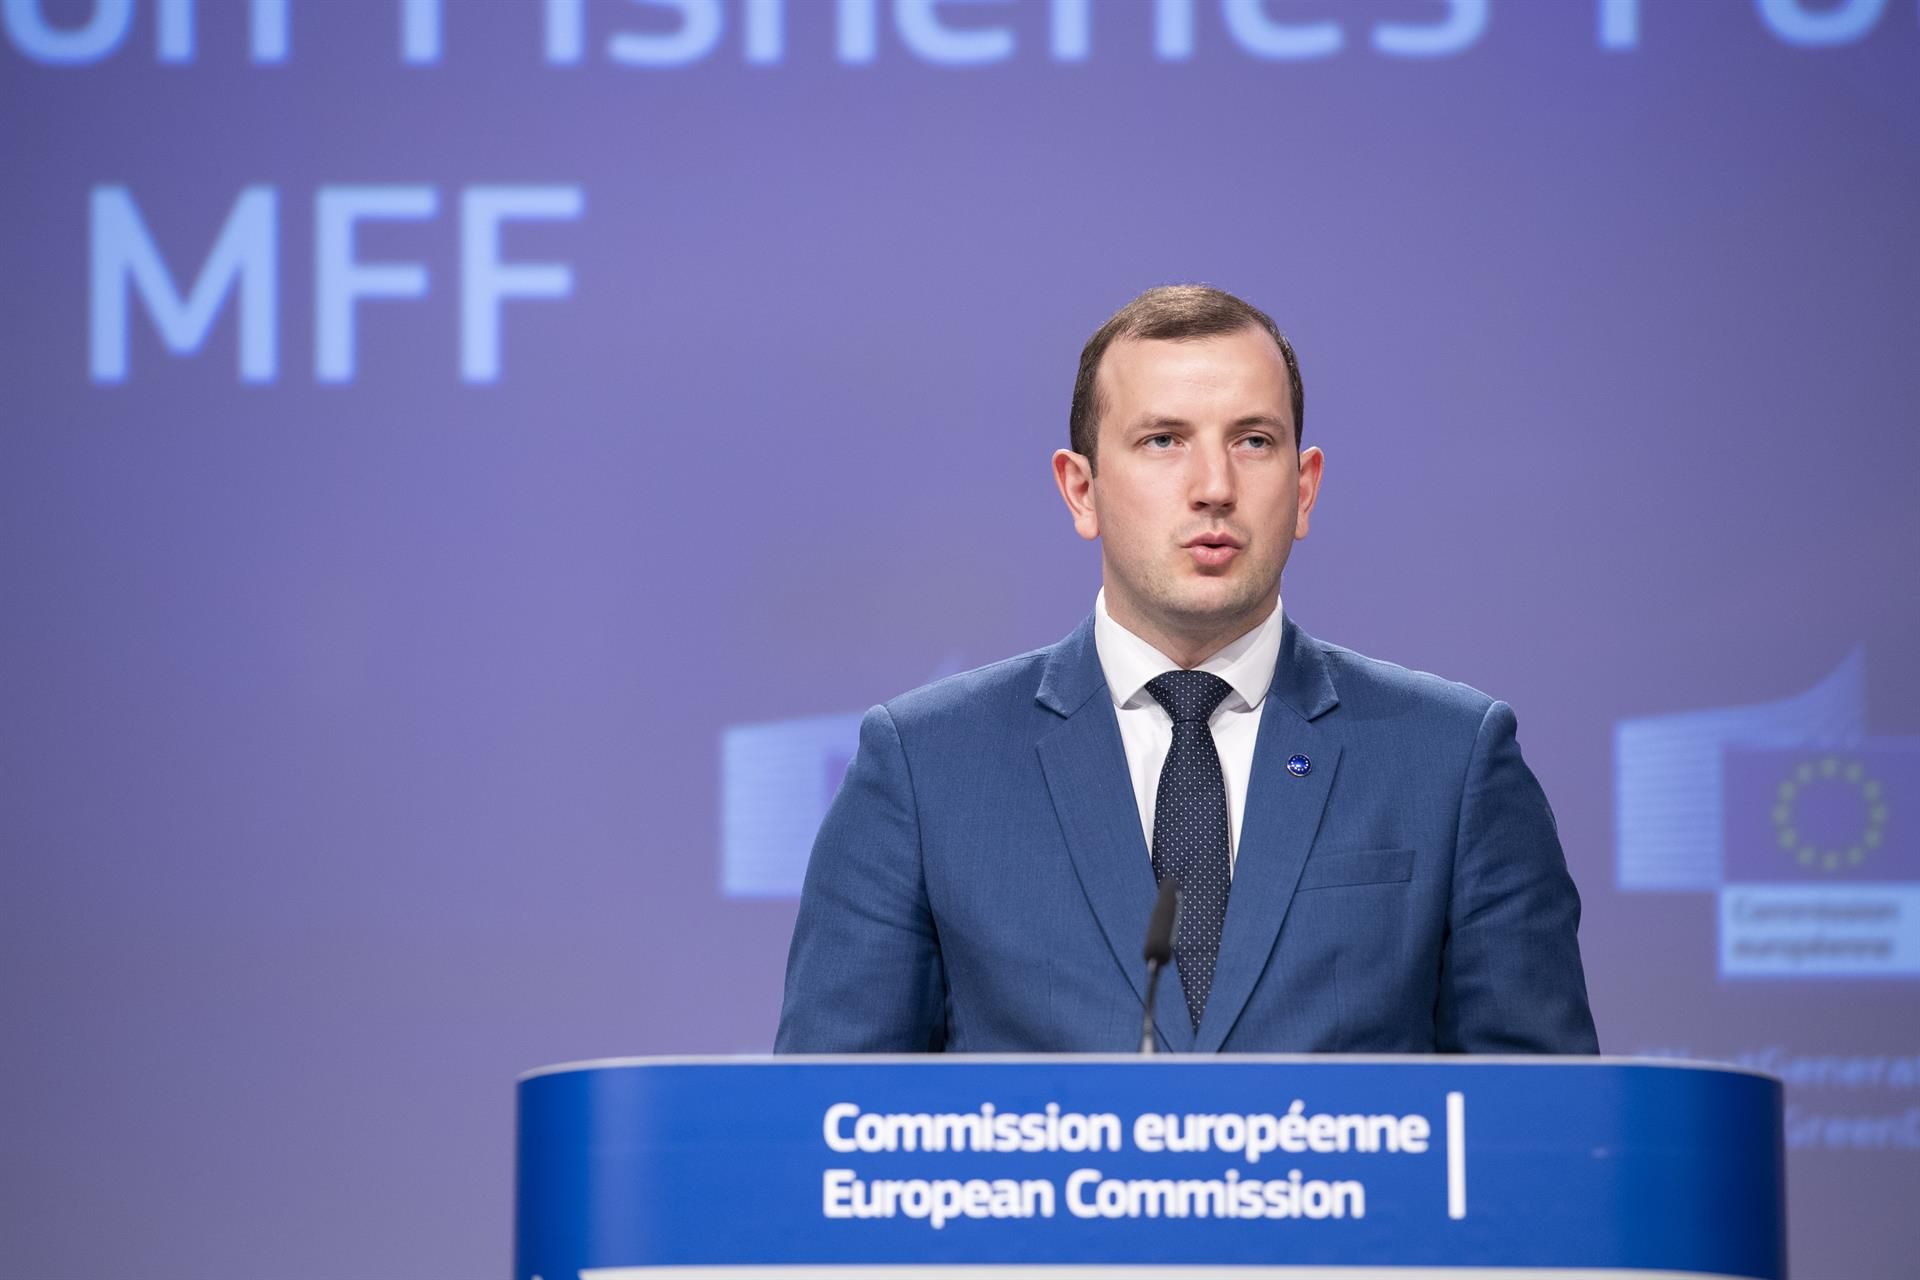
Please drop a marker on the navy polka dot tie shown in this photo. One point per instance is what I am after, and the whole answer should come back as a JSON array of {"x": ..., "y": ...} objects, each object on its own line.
[{"x": 1190, "y": 831}]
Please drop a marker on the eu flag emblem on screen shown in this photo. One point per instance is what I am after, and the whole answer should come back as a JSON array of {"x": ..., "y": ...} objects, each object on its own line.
[{"x": 1821, "y": 816}]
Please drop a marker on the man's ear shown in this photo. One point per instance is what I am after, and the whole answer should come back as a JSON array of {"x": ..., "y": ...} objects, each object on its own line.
[
  {"x": 1311, "y": 462},
  {"x": 1073, "y": 472}
]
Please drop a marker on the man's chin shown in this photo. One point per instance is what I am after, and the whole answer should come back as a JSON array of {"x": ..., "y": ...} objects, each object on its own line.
[{"x": 1205, "y": 610}]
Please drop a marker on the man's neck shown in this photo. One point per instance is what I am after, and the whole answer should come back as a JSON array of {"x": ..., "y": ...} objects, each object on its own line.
[{"x": 1189, "y": 648}]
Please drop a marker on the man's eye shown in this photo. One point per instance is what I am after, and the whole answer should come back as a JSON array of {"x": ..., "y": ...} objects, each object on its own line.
[
  {"x": 1259, "y": 442},
  {"x": 1162, "y": 441}
]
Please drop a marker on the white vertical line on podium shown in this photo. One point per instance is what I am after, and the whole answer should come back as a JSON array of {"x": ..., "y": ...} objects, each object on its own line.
[{"x": 1456, "y": 1155}]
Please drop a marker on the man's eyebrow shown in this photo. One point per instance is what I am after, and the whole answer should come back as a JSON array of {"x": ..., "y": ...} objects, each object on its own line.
[
  {"x": 1153, "y": 421},
  {"x": 1254, "y": 419}
]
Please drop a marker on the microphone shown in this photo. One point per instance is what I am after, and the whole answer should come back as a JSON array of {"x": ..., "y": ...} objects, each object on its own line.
[{"x": 1161, "y": 927}]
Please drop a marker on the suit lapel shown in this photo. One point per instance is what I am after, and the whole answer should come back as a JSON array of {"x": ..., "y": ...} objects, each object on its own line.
[
  {"x": 1087, "y": 778},
  {"x": 1277, "y": 831}
]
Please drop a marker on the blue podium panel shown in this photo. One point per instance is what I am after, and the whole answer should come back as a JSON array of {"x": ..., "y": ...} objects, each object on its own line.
[{"x": 1064, "y": 1166}]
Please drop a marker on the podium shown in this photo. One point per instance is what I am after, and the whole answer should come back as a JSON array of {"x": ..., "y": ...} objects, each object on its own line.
[{"x": 1347, "y": 1168}]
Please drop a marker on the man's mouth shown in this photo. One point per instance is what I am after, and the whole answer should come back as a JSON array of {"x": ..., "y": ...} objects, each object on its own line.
[{"x": 1211, "y": 550}]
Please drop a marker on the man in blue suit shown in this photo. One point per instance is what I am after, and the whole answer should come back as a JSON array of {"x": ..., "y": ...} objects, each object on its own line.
[{"x": 1367, "y": 865}]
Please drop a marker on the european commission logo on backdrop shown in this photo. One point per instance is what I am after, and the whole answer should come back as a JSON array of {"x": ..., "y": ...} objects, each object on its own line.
[{"x": 1800, "y": 822}]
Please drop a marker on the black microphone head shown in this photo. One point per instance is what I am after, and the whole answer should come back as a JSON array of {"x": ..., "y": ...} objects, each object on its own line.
[{"x": 1163, "y": 923}]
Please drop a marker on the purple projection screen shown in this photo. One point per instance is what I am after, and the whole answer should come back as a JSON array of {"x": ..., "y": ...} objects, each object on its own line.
[{"x": 466, "y": 465}]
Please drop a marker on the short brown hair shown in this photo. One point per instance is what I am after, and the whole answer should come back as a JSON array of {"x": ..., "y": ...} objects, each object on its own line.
[{"x": 1170, "y": 313}]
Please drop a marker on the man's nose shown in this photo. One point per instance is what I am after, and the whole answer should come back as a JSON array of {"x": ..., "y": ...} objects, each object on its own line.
[{"x": 1212, "y": 479}]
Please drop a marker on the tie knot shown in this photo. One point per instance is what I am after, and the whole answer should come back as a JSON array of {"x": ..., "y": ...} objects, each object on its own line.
[{"x": 1188, "y": 695}]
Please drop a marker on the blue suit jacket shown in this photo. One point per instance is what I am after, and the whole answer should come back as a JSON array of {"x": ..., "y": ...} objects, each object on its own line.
[{"x": 981, "y": 883}]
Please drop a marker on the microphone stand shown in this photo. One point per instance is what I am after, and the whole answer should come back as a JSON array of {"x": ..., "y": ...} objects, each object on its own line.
[{"x": 1162, "y": 925}]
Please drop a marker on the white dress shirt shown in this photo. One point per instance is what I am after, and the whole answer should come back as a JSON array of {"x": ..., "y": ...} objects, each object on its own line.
[{"x": 1146, "y": 730}]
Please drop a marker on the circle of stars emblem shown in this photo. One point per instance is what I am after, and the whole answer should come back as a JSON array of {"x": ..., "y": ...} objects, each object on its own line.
[{"x": 1821, "y": 857}]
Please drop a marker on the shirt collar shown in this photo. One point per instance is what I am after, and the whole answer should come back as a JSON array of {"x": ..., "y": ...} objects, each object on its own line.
[{"x": 1128, "y": 662}]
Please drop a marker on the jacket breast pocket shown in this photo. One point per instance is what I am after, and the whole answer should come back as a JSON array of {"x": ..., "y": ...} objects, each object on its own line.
[{"x": 1364, "y": 866}]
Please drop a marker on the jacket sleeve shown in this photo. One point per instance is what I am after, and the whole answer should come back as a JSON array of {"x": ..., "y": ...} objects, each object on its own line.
[
  {"x": 1510, "y": 974},
  {"x": 864, "y": 972}
]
